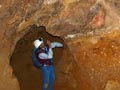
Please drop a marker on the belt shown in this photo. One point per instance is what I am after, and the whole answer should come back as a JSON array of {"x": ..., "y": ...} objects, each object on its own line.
[{"x": 45, "y": 65}]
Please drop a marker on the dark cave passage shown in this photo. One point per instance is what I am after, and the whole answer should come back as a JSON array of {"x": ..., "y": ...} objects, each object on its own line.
[{"x": 28, "y": 76}]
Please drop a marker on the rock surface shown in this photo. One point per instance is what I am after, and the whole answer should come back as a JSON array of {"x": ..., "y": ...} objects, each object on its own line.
[{"x": 90, "y": 28}]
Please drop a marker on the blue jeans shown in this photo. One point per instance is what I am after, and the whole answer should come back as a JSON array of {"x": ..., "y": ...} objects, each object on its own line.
[{"x": 48, "y": 77}]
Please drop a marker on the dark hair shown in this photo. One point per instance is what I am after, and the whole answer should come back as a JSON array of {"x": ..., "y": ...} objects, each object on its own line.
[{"x": 40, "y": 39}]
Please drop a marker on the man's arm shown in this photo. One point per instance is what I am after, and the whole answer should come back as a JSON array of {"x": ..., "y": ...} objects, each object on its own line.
[
  {"x": 56, "y": 44},
  {"x": 46, "y": 56}
]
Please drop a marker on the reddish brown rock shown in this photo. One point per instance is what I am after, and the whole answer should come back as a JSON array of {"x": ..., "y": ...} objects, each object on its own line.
[
  {"x": 98, "y": 20},
  {"x": 90, "y": 30}
]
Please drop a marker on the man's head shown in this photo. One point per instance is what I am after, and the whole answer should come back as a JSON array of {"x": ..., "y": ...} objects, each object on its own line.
[{"x": 39, "y": 43}]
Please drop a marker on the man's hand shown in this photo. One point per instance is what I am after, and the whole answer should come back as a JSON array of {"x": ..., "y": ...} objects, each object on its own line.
[{"x": 49, "y": 43}]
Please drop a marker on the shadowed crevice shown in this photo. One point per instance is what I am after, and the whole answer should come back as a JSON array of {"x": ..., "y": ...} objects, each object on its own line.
[{"x": 28, "y": 76}]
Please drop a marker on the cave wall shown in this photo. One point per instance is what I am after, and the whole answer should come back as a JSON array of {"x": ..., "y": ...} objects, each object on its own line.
[
  {"x": 98, "y": 61},
  {"x": 71, "y": 20},
  {"x": 28, "y": 76}
]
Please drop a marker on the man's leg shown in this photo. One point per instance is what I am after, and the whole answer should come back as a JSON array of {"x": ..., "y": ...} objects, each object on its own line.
[
  {"x": 51, "y": 78},
  {"x": 45, "y": 77}
]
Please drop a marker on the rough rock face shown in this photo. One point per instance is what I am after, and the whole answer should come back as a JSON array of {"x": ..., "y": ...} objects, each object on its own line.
[
  {"x": 90, "y": 28},
  {"x": 98, "y": 60}
]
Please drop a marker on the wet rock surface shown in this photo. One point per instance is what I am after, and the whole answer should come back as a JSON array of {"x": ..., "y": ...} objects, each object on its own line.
[{"x": 89, "y": 28}]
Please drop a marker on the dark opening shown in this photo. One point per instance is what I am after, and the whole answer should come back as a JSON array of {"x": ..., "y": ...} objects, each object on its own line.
[{"x": 28, "y": 76}]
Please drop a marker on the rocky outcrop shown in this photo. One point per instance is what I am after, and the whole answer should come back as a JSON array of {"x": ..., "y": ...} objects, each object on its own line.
[
  {"x": 89, "y": 28},
  {"x": 98, "y": 60}
]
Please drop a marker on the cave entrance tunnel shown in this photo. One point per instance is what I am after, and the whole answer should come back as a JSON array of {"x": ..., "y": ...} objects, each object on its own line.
[{"x": 28, "y": 76}]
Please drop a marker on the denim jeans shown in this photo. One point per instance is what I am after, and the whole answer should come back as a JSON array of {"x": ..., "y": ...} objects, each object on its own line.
[{"x": 48, "y": 77}]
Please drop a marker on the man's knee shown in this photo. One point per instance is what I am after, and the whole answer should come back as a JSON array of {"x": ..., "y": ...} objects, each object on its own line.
[{"x": 46, "y": 85}]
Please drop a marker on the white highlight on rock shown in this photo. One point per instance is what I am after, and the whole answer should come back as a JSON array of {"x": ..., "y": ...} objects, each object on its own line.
[
  {"x": 49, "y": 1},
  {"x": 95, "y": 7},
  {"x": 98, "y": 1},
  {"x": 0, "y": 6},
  {"x": 71, "y": 36}
]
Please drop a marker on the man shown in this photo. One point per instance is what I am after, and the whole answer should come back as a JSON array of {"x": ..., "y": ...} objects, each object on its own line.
[{"x": 44, "y": 55}]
